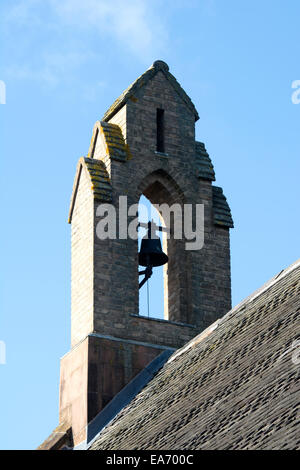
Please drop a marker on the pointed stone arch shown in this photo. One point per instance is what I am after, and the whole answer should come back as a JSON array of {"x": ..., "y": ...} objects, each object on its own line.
[
  {"x": 161, "y": 188},
  {"x": 169, "y": 190}
]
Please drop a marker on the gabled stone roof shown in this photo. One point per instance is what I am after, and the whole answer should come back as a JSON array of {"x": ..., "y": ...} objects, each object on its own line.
[
  {"x": 205, "y": 170},
  {"x": 204, "y": 164},
  {"x": 60, "y": 438},
  {"x": 113, "y": 143},
  {"x": 130, "y": 92},
  {"x": 221, "y": 209},
  {"x": 235, "y": 386},
  {"x": 99, "y": 178}
]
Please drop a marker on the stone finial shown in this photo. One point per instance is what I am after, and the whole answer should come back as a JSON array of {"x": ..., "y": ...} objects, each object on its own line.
[{"x": 160, "y": 64}]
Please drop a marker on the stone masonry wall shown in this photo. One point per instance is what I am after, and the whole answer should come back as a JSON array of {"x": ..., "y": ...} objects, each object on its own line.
[
  {"x": 82, "y": 262},
  {"x": 92, "y": 373},
  {"x": 198, "y": 281}
]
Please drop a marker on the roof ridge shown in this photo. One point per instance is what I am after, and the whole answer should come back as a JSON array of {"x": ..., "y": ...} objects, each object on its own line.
[
  {"x": 128, "y": 93},
  {"x": 270, "y": 283},
  {"x": 205, "y": 333}
]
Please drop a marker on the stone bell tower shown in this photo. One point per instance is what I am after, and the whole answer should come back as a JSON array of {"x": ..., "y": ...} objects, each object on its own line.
[{"x": 144, "y": 144}]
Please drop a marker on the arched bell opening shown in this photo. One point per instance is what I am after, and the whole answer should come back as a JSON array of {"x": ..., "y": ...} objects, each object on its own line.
[
  {"x": 159, "y": 188},
  {"x": 151, "y": 293}
]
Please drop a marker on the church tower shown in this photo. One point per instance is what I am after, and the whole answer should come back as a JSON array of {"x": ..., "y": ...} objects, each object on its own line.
[{"x": 144, "y": 145}]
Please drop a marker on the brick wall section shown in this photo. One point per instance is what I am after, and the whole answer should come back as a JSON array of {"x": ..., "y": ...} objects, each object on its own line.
[
  {"x": 73, "y": 405},
  {"x": 92, "y": 373},
  {"x": 112, "y": 364},
  {"x": 82, "y": 263},
  {"x": 121, "y": 120}
]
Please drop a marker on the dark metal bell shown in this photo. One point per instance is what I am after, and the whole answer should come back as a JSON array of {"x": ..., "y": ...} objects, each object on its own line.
[{"x": 151, "y": 253}]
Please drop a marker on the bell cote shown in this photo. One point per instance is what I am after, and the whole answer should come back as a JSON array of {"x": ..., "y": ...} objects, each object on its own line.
[{"x": 144, "y": 145}]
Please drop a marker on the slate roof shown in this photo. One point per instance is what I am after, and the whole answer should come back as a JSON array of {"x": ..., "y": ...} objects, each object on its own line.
[
  {"x": 131, "y": 91},
  {"x": 235, "y": 386},
  {"x": 204, "y": 164},
  {"x": 221, "y": 209}
]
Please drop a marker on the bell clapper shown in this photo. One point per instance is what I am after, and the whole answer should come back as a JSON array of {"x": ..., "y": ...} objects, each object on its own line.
[{"x": 148, "y": 273}]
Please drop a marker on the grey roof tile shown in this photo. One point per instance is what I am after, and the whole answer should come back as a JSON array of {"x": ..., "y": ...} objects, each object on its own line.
[{"x": 235, "y": 386}]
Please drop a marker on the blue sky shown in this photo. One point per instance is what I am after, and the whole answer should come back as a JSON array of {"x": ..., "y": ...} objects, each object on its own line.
[{"x": 64, "y": 62}]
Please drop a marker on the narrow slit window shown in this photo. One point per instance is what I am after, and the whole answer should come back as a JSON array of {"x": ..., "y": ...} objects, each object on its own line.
[{"x": 160, "y": 138}]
